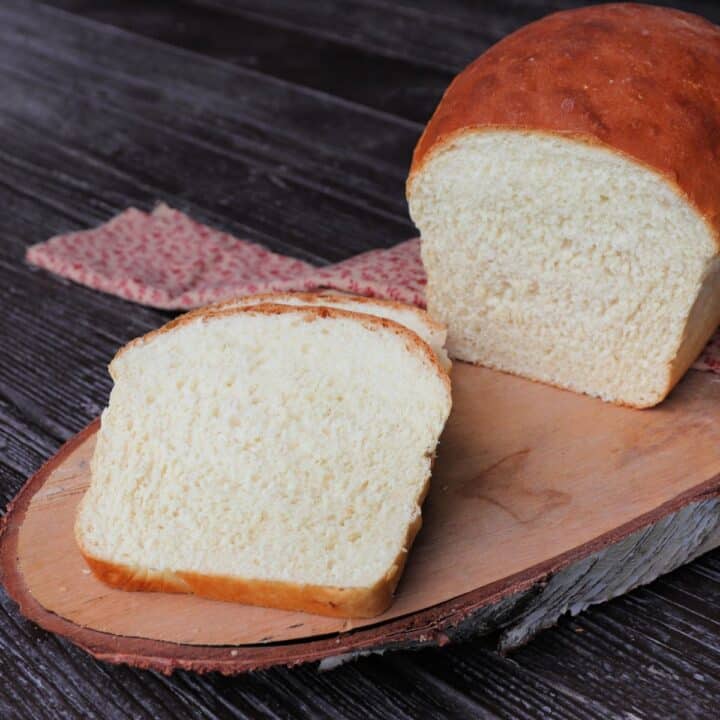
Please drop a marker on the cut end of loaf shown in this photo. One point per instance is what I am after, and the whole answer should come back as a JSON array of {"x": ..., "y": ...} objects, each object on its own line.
[
  {"x": 272, "y": 455},
  {"x": 564, "y": 262}
]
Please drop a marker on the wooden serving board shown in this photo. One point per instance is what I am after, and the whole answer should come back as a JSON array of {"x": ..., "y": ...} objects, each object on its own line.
[{"x": 529, "y": 480}]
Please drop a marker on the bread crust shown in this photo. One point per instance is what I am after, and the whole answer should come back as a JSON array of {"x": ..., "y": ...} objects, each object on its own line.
[
  {"x": 311, "y": 313},
  {"x": 333, "y": 601},
  {"x": 641, "y": 80},
  {"x": 334, "y": 298},
  {"x": 328, "y": 299},
  {"x": 318, "y": 599}
]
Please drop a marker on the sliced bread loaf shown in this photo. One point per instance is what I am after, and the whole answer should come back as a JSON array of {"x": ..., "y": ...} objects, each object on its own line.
[
  {"x": 567, "y": 190},
  {"x": 270, "y": 455},
  {"x": 417, "y": 320}
]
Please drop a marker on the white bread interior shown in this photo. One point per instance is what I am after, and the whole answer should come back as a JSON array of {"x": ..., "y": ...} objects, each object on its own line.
[
  {"x": 417, "y": 320},
  {"x": 272, "y": 455},
  {"x": 565, "y": 262}
]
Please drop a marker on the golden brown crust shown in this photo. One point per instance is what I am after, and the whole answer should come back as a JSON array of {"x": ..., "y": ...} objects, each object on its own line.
[
  {"x": 641, "y": 80},
  {"x": 328, "y": 299},
  {"x": 311, "y": 313},
  {"x": 317, "y": 599}
]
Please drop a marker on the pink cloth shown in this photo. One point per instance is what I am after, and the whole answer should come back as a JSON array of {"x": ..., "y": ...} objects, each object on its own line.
[{"x": 167, "y": 260}]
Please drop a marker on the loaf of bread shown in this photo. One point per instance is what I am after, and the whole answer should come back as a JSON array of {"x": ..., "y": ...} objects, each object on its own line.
[
  {"x": 274, "y": 455},
  {"x": 567, "y": 190}
]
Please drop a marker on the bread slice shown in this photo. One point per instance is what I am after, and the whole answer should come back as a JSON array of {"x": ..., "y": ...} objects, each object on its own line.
[
  {"x": 566, "y": 190},
  {"x": 417, "y": 320},
  {"x": 270, "y": 455}
]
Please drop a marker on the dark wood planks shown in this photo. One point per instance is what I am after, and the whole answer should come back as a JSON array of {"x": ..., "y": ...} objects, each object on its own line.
[
  {"x": 396, "y": 57},
  {"x": 299, "y": 56},
  {"x": 429, "y": 35},
  {"x": 440, "y": 35},
  {"x": 396, "y": 30},
  {"x": 227, "y": 128},
  {"x": 75, "y": 138}
]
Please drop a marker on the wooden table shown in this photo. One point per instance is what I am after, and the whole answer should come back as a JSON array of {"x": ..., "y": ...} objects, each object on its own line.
[{"x": 291, "y": 124}]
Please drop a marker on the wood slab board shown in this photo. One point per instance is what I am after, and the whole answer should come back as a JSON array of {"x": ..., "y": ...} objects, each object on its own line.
[{"x": 528, "y": 479}]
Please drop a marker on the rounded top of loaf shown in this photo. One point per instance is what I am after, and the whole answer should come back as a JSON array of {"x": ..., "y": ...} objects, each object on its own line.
[{"x": 642, "y": 80}]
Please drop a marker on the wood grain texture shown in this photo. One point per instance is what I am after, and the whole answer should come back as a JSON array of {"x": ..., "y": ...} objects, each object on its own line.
[
  {"x": 430, "y": 36},
  {"x": 529, "y": 480},
  {"x": 651, "y": 654},
  {"x": 517, "y": 612},
  {"x": 258, "y": 43}
]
